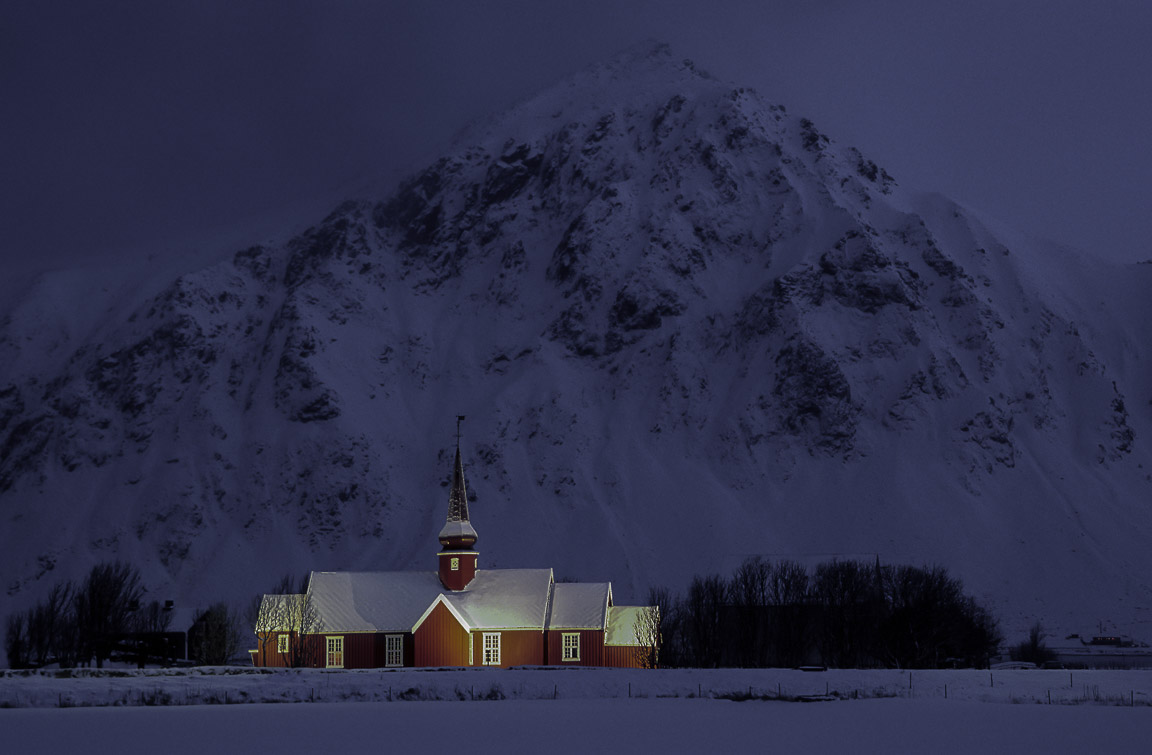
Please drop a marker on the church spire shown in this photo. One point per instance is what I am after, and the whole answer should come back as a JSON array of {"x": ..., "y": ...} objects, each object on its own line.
[
  {"x": 457, "y": 559},
  {"x": 458, "y": 532},
  {"x": 458, "y": 497}
]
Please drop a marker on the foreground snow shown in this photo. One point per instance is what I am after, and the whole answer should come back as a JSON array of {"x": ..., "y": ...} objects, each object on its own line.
[
  {"x": 230, "y": 685},
  {"x": 632, "y": 726}
]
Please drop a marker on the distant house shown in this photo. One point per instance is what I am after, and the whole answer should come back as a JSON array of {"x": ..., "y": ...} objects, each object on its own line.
[{"x": 458, "y": 615}]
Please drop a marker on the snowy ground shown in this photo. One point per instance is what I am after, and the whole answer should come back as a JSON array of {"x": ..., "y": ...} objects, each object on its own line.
[
  {"x": 588, "y": 725},
  {"x": 578, "y": 710},
  {"x": 230, "y": 685}
]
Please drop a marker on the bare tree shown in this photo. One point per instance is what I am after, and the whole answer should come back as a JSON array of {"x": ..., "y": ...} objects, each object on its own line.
[
  {"x": 747, "y": 604},
  {"x": 49, "y": 624},
  {"x": 290, "y": 617},
  {"x": 648, "y": 635},
  {"x": 703, "y": 621},
  {"x": 214, "y": 639},
  {"x": 103, "y": 605},
  {"x": 843, "y": 590},
  {"x": 16, "y": 641},
  {"x": 789, "y": 627},
  {"x": 149, "y": 639},
  {"x": 45, "y": 633},
  {"x": 1033, "y": 649},
  {"x": 153, "y": 617}
]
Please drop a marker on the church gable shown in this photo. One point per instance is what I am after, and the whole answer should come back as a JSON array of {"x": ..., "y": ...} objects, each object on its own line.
[{"x": 440, "y": 639}]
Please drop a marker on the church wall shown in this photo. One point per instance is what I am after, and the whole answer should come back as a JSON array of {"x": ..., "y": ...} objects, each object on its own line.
[
  {"x": 622, "y": 656},
  {"x": 440, "y": 640},
  {"x": 591, "y": 647},
  {"x": 518, "y": 647},
  {"x": 360, "y": 650}
]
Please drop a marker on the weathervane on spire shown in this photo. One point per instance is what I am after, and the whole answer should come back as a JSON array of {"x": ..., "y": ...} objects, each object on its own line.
[{"x": 459, "y": 419}]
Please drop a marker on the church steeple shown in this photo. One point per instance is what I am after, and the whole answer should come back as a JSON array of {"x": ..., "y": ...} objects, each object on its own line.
[{"x": 457, "y": 559}]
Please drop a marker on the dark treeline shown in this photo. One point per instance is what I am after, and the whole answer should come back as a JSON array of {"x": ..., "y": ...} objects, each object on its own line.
[
  {"x": 105, "y": 617},
  {"x": 843, "y": 614}
]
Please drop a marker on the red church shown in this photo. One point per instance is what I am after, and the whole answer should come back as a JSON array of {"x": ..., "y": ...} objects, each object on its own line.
[{"x": 458, "y": 615}]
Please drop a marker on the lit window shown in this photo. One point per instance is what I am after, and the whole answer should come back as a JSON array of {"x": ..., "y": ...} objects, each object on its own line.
[
  {"x": 492, "y": 649},
  {"x": 335, "y": 652},
  {"x": 394, "y": 650},
  {"x": 282, "y": 644},
  {"x": 455, "y": 564},
  {"x": 570, "y": 646}
]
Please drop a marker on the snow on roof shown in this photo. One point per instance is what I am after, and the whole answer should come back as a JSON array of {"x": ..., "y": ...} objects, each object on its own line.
[
  {"x": 395, "y": 601},
  {"x": 623, "y": 622},
  {"x": 580, "y": 605},
  {"x": 458, "y": 528},
  {"x": 384, "y": 601},
  {"x": 504, "y": 599}
]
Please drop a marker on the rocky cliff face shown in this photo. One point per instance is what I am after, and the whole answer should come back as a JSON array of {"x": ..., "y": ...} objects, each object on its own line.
[{"x": 685, "y": 326}]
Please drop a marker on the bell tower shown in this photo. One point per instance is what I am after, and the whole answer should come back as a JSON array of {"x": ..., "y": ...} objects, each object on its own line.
[{"x": 457, "y": 558}]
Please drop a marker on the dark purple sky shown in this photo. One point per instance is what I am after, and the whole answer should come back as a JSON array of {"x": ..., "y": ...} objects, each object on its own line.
[{"x": 128, "y": 126}]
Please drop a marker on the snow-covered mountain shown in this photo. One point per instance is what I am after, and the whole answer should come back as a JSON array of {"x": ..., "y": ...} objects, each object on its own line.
[{"x": 685, "y": 327}]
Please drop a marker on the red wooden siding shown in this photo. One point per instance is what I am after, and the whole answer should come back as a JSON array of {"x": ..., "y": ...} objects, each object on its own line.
[
  {"x": 380, "y": 650},
  {"x": 440, "y": 640},
  {"x": 267, "y": 655},
  {"x": 518, "y": 647},
  {"x": 458, "y": 579},
  {"x": 622, "y": 656},
  {"x": 359, "y": 649},
  {"x": 591, "y": 647},
  {"x": 266, "y": 652}
]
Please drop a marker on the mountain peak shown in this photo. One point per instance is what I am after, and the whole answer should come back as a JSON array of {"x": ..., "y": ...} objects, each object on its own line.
[{"x": 675, "y": 313}]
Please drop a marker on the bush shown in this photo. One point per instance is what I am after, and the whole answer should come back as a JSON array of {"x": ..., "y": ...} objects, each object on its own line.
[{"x": 1033, "y": 649}]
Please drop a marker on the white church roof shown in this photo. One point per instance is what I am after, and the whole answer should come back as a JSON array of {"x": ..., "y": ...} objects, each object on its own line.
[
  {"x": 504, "y": 599},
  {"x": 386, "y": 601},
  {"x": 623, "y": 622},
  {"x": 395, "y": 601},
  {"x": 580, "y": 605}
]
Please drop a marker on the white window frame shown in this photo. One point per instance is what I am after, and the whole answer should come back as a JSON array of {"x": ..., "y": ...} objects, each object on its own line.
[
  {"x": 491, "y": 649},
  {"x": 283, "y": 643},
  {"x": 393, "y": 650},
  {"x": 570, "y": 646},
  {"x": 455, "y": 563},
  {"x": 334, "y": 646}
]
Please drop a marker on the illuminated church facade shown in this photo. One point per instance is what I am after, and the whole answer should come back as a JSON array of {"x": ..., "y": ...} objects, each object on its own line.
[{"x": 458, "y": 615}]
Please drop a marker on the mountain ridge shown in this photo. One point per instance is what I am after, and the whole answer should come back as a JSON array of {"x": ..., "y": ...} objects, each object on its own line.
[{"x": 686, "y": 327}]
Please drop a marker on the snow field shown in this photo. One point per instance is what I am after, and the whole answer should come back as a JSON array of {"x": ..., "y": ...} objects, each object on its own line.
[
  {"x": 230, "y": 685},
  {"x": 584, "y": 725}
]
